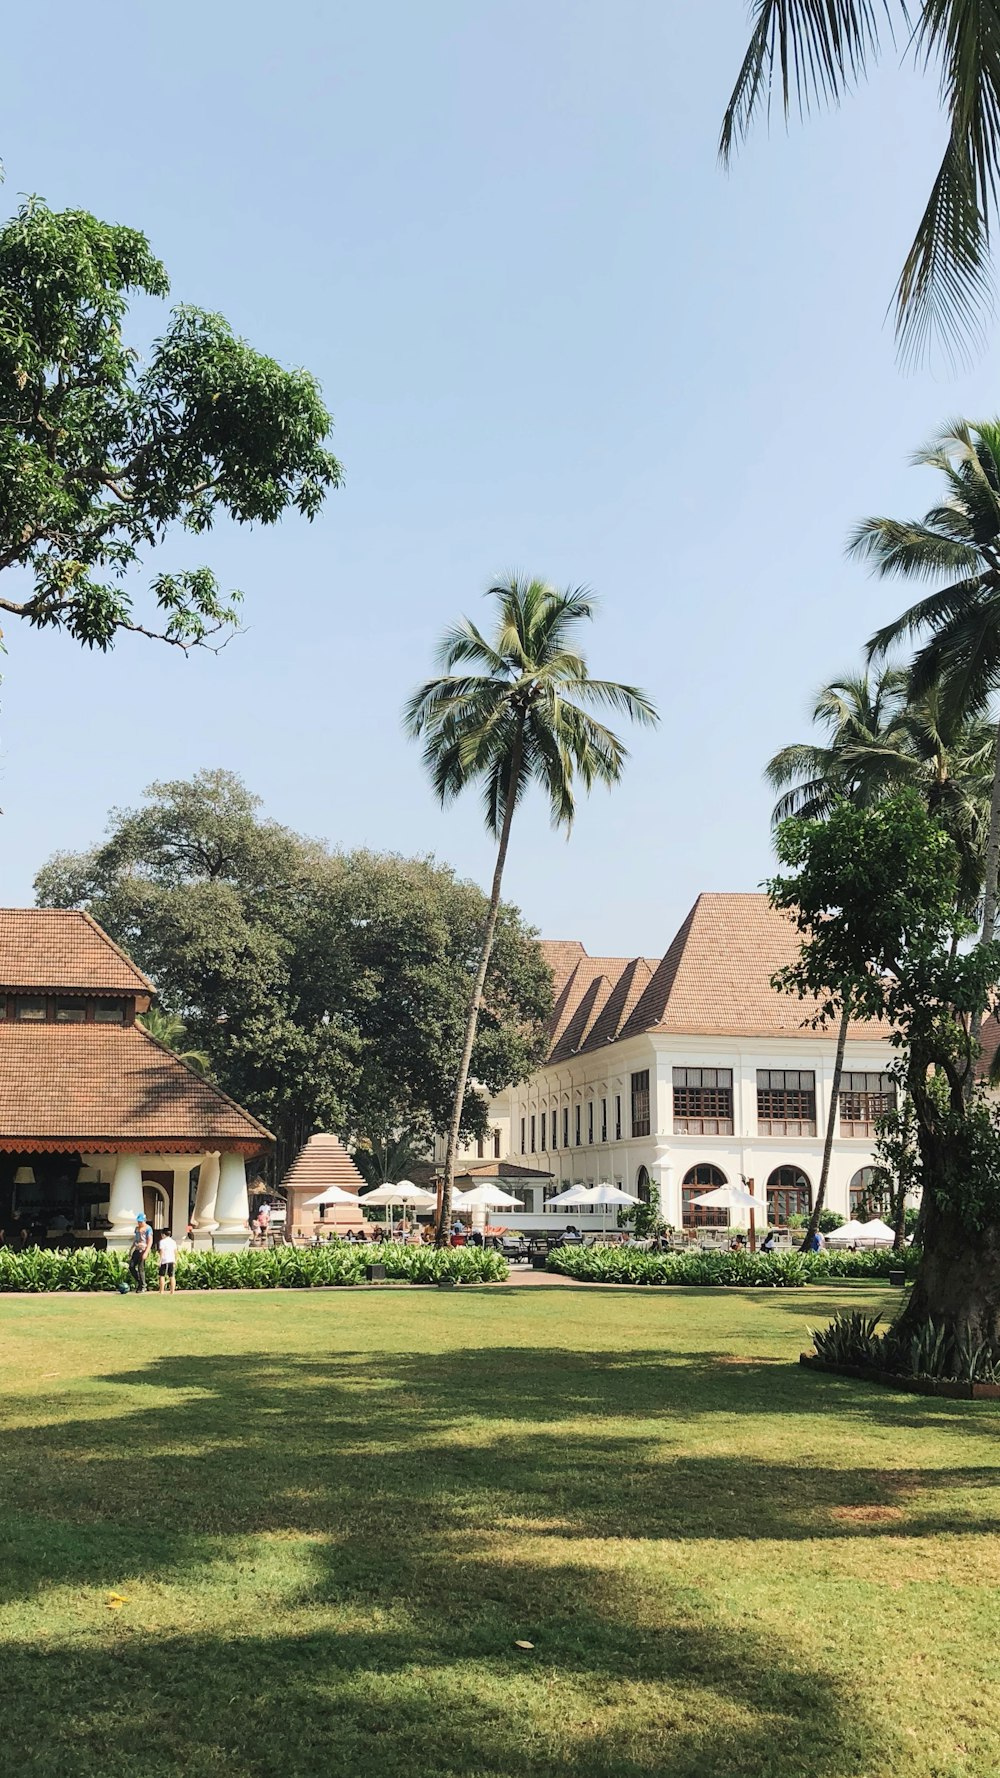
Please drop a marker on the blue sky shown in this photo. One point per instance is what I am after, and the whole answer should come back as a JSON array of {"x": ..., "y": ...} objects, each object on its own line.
[{"x": 554, "y": 336}]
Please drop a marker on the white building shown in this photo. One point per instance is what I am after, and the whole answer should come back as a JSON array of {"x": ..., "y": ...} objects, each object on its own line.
[{"x": 691, "y": 1070}]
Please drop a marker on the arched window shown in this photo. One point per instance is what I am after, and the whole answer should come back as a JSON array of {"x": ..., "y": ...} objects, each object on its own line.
[
  {"x": 642, "y": 1185},
  {"x": 866, "y": 1197},
  {"x": 788, "y": 1194},
  {"x": 702, "y": 1216}
]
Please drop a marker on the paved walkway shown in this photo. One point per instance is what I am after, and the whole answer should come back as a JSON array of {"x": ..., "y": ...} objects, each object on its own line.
[{"x": 528, "y": 1275}]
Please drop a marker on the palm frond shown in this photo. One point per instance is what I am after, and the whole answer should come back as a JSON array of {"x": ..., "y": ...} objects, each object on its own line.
[
  {"x": 938, "y": 609},
  {"x": 626, "y": 698},
  {"x": 911, "y": 547},
  {"x": 945, "y": 285},
  {"x": 819, "y": 47}
]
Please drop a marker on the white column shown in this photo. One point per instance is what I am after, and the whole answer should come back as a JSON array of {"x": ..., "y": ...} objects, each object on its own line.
[
  {"x": 181, "y": 1195},
  {"x": 232, "y": 1206},
  {"x": 666, "y": 1178},
  {"x": 204, "y": 1204},
  {"x": 126, "y": 1199}
]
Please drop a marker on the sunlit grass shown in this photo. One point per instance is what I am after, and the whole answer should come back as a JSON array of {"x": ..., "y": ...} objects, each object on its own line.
[{"x": 331, "y": 1518}]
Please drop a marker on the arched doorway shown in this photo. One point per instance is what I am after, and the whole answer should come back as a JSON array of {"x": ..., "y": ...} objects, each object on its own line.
[
  {"x": 156, "y": 1189},
  {"x": 642, "y": 1184},
  {"x": 788, "y": 1194},
  {"x": 867, "y": 1196},
  {"x": 704, "y": 1178}
]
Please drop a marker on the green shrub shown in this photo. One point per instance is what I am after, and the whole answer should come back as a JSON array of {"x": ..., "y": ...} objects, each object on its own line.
[
  {"x": 634, "y": 1265},
  {"x": 929, "y": 1350},
  {"x": 830, "y": 1220},
  {"x": 849, "y": 1339},
  {"x": 277, "y": 1268}
]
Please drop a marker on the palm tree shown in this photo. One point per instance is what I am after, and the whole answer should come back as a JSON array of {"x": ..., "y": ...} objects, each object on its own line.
[
  {"x": 866, "y": 734},
  {"x": 519, "y": 719},
  {"x": 820, "y": 49},
  {"x": 169, "y": 1029},
  {"x": 957, "y": 541},
  {"x": 880, "y": 739},
  {"x": 864, "y": 722}
]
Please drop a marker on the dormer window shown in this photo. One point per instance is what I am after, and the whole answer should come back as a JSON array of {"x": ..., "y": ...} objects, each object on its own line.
[
  {"x": 109, "y": 1012},
  {"x": 71, "y": 1012},
  {"x": 30, "y": 1007}
]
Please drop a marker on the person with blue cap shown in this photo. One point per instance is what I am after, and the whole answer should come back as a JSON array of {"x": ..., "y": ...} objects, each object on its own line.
[{"x": 142, "y": 1241}]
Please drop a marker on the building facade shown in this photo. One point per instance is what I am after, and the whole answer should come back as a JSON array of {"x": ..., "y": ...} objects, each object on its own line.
[
  {"x": 691, "y": 1071},
  {"x": 98, "y": 1121}
]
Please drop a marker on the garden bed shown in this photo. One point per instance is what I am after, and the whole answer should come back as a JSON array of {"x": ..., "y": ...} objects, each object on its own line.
[
  {"x": 39, "y": 1270},
  {"x": 765, "y": 1271},
  {"x": 949, "y": 1387}
]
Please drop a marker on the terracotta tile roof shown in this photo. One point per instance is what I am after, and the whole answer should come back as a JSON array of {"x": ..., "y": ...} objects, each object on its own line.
[
  {"x": 562, "y": 956},
  {"x": 989, "y": 1038},
  {"x": 427, "y": 1172},
  {"x": 323, "y": 1161},
  {"x": 714, "y": 980},
  {"x": 63, "y": 948},
  {"x": 108, "y": 1082}
]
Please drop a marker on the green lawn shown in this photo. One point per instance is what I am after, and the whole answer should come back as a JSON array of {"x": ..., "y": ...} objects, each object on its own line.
[{"x": 333, "y": 1515}]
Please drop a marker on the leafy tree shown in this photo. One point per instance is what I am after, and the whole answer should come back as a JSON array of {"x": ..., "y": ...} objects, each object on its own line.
[
  {"x": 328, "y": 990},
  {"x": 169, "y": 1030},
  {"x": 873, "y": 892},
  {"x": 881, "y": 738},
  {"x": 520, "y": 719},
  {"x": 865, "y": 736},
  {"x": 101, "y": 451},
  {"x": 819, "y": 48}
]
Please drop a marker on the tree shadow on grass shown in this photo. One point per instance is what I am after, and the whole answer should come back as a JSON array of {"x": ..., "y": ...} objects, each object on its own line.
[
  {"x": 407, "y": 1445},
  {"x": 609, "y": 1690},
  {"x": 436, "y": 1508}
]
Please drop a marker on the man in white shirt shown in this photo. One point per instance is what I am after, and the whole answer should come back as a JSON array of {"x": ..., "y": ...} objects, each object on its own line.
[{"x": 168, "y": 1263}]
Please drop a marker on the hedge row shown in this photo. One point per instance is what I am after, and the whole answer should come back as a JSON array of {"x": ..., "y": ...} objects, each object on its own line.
[
  {"x": 633, "y": 1265},
  {"x": 279, "y": 1268}
]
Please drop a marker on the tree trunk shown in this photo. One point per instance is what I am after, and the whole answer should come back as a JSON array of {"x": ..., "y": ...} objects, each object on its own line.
[
  {"x": 831, "y": 1125},
  {"x": 899, "y": 1219},
  {"x": 958, "y": 1280},
  {"x": 989, "y": 887},
  {"x": 472, "y": 1021}
]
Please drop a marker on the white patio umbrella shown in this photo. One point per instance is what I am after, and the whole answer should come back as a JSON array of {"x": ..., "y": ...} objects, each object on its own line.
[
  {"x": 485, "y": 1197},
  {"x": 403, "y": 1193},
  {"x": 605, "y": 1195},
  {"x": 735, "y": 1197},
  {"x": 862, "y": 1234},
  {"x": 332, "y": 1195},
  {"x": 572, "y": 1195}
]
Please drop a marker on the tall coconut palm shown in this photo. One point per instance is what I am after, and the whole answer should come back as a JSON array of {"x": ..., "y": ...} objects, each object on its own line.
[
  {"x": 863, "y": 719},
  {"x": 819, "y": 50},
  {"x": 958, "y": 542},
  {"x": 519, "y": 719}
]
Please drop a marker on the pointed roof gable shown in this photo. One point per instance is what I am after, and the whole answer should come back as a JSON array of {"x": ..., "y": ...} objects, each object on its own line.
[
  {"x": 321, "y": 1162},
  {"x": 64, "y": 949},
  {"x": 713, "y": 981}
]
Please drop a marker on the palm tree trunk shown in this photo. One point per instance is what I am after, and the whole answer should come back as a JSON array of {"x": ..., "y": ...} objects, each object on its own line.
[
  {"x": 831, "y": 1125},
  {"x": 476, "y": 1001},
  {"x": 899, "y": 1219},
  {"x": 989, "y": 886}
]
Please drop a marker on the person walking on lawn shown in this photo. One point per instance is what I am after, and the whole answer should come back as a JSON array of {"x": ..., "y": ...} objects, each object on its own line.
[
  {"x": 168, "y": 1263},
  {"x": 142, "y": 1241}
]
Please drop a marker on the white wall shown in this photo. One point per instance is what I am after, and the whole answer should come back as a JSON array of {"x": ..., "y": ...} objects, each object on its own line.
[{"x": 666, "y": 1156}]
